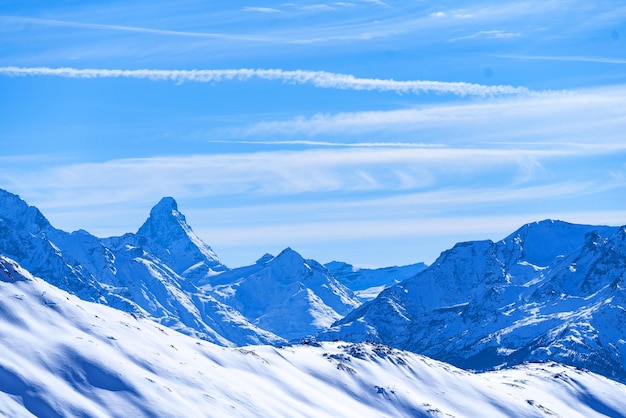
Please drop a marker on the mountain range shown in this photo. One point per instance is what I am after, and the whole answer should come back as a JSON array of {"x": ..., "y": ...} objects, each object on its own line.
[
  {"x": 64, "y": 357},
  {"x": 549, "y": 292},
  {"x": 166, "y": 272}
]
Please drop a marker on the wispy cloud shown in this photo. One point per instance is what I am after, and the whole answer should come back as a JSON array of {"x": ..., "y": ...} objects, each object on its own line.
[
  {"x": 488, "y": 34},
  {"x": 319, "y": 79},
  {"x": 333, "y": 144},
  {"x": 261, "y": 9},
  {"x": 275, "y": 173},
  {"x": 344, "y": 194},
  {"x": 427, "y": 227},
  {"x": 581, "y": 122},
  {"x": 138, "y": 29},
  {"x": 107, "y": 198},
  {"x": 573, "y": 58}
]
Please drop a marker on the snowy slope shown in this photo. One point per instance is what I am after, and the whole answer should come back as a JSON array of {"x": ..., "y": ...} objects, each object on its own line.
[
  {"x": 64, "y": 357},
  {"x": 27, "y": 236},
  {"x": 287, "y": 295},
  {"x": 550, "y": 291},
  {"x": 148, "y": 273},
  {"x": 368, "y": 283}
]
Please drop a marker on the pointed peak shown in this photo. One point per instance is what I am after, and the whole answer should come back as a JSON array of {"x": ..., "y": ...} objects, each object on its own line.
[
  {"x": 166, "y": 206},
  {"x": 265, "y": 258},
  {"x": 165, "y": 221},
  {"x": 18, "y": 212},
  {"x": 288, "y": 257},
  {"x": 289, "y": 253}
]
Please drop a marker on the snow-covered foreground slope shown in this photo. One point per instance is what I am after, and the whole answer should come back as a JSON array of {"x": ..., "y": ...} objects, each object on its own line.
[{"x": 62, "y": 356}]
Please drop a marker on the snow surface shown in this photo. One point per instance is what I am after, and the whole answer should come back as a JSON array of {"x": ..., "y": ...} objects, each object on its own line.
[{"x": 63, "y": 357}]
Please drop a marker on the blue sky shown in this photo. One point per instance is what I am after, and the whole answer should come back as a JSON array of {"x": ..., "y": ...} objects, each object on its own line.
[{"x": 378, "y": 133}]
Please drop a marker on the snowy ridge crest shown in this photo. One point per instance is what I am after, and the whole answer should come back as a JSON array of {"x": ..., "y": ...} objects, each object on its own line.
[{"x": 551, "y": 291}]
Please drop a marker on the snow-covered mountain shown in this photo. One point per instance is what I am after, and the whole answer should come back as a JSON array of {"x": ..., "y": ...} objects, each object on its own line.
[
  {"x": 157, "y": 272},
  {"x": 368, "y": 283},
  {"x": 148, "y": 273},
  {"x": 167, "y": 235},
  {"x": 64, "y": 357},
  {"x": 550, "y": 291},
  {"x": 287, "y": 295},
  {"x": 27, "y": 236}
]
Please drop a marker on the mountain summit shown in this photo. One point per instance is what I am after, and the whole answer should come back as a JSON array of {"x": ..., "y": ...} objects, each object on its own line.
[
  {"x": 551, "y": 291},
  {"x": 167, "y": 235},
  {"x": 288, "y": 295},
  {"x": 147, "y": 273}
]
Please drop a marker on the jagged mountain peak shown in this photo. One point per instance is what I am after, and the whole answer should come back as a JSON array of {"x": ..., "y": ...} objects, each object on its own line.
[
  {"x": 167, "y": 235},
  {"x": 549, "y": 291},
  {"x": 20, "y": 214},
  {"x": 264, "y": 259},
  {"x": 541, "y": 243},
  {"x": 166, "y": 203},
  {"x": 165, "y": 221},
  {"x": 288, "y": 256}
]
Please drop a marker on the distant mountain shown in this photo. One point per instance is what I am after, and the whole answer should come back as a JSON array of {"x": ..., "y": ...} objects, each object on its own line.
[
  {"x": 157, "y": 272},
  {"x": 64, "y": 357},
  {"x": 287, "y": 295},
  {"x": 167, "y": 235},
  {"x": 550, "y": 291},
  {"x": 27, "y": 236},
  {"x": 368, "y": 283},
  {"x": 148, "y": 273}
]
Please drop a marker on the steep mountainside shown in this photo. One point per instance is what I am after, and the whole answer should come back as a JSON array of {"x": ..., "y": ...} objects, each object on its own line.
[
  {"x": 167, "y": 235},
  {"x": 27, "y": 236},
  {"x": 148, "y": 273},
  {"x": 368, "y": 283},
  {"x": 64, "y": 357},
  {"x": 287, "y": 295},
  {"x": 550, "y": 291}
]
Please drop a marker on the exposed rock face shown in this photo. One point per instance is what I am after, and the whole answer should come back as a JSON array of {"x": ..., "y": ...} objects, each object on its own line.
[{"x": 550, "y": 291}]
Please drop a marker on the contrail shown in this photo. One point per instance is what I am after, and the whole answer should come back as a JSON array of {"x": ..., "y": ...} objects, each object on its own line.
[{"x": 321, "y": 79}]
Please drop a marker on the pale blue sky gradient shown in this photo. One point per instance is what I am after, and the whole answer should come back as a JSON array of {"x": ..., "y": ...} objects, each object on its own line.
[{"x": 372, "y": 132}]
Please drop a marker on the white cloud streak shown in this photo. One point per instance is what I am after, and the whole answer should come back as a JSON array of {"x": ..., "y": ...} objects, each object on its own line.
[
  {"x": 488, "y": 34},
  {"x": 137, "y": 29},
  {"x": 584, "y": 120},
  {"x": 261, "y": 9},
  {"x": 422, "y": 227},
  {"x": 572, "y": 58},
  {"x": 333, "y": 144},
  {"x": 320, "y": 79},
  {"x": 281, "y": 173},
  {"x": 321, "y": 195}
]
